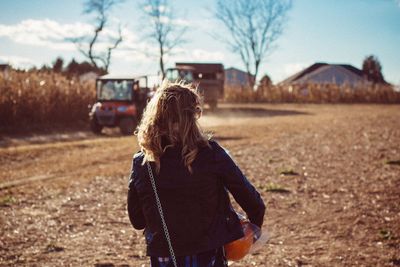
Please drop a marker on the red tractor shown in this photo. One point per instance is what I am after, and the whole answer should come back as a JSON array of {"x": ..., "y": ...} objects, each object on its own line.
[{"x": 120, "y": 103}]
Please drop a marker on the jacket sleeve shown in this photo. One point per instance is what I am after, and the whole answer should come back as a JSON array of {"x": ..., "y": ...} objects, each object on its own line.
[
  {"x": 241, "y": 189},
  {"x": 134, "y": 207}
]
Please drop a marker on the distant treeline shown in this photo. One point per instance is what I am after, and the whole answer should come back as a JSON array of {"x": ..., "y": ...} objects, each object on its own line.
[{"x": 71, "y": 69}]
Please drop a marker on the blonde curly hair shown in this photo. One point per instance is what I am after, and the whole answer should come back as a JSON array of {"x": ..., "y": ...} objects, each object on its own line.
[{"x": 170, "y": 119}]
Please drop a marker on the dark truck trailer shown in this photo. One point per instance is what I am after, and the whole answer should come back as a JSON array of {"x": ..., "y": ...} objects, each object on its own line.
[{"x": 208, "y": 76}]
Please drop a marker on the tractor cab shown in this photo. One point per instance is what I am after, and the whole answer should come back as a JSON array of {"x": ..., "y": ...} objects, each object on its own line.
[
  {"x": 120, "y": 101},
  {"x": 208, "y": 77},
  {"x": 181, "y": 73}
]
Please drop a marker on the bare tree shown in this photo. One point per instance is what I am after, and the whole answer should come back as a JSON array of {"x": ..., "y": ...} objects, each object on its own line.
[
  {"x": 162, "y": 29},
  {"x": 253, "y": 26},
  {"x": 86, "y": 45}
]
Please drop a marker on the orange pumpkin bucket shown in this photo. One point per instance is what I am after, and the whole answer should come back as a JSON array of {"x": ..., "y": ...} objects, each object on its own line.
[{"x": 239, "y": 248}]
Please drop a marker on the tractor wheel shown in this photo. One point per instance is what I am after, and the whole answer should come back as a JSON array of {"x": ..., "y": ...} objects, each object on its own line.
[
  {"x": 95, "y": 126},
  {"x": 127, "y": 126}
]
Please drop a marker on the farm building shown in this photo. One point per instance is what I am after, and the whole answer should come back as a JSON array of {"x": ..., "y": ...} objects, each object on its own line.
[
  {"x": 323, "y": 73},
  {"x": 236, "y": 79},
  {"x": 4, "y": 66}
]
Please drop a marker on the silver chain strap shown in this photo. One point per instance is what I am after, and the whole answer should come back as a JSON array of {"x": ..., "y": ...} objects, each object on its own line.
[{"x": 160, "y": 210}]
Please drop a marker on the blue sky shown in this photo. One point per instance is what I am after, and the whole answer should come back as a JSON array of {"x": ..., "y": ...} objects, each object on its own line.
[{"x": 333, "y": 31}]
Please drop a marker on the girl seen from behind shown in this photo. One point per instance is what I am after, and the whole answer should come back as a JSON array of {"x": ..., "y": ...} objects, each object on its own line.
[{"x": 185, "y": 212}]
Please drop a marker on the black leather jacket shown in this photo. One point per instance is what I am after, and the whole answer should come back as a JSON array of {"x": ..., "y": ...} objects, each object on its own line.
[{"x": 196, "y": 206}]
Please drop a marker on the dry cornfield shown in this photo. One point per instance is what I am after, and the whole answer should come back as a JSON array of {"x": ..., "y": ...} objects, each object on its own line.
[
  {"x": 34, "y": 97},
  {"x": 37, "y": 98},
  {"x": 315, "y": 93}
]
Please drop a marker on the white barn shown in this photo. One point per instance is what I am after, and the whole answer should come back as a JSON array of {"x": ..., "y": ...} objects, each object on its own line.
[{"x": 323, "y": 73}]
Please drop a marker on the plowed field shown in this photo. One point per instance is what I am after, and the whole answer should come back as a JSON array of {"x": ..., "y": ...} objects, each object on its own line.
[{"x": 329, "y": 174}]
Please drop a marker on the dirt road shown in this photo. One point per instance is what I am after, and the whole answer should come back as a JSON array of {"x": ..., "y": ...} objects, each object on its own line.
[{"x": 329, "y": 174}]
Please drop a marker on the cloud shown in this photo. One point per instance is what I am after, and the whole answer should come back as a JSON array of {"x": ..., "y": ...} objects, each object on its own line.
[
  {"x": 144, "y": 56},
  {"x": 181, "y": 22},
  {"x": 47, "y": 33},
  {"x": 17, "y": 61},
  {"x": 133, "y": 50},
  {"x": 57, "y": 36},
  {"x": 54, "y": 35},
  {"x": 198, "y": 55},
  {"x": 165, "y": 15}
]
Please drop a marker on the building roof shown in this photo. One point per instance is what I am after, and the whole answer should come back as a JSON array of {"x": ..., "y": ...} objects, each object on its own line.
[
  {"x": 4, "y": 66},
  {"x": 235, "y": 69},
  {"x": 202, "y": 67},
  {"x": 326, "y": 73}
]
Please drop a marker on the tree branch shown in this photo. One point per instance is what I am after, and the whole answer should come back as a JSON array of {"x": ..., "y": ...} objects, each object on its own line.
[
  {"x": 163, "y": 32},
  {"x": 253, "y": 26}
]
